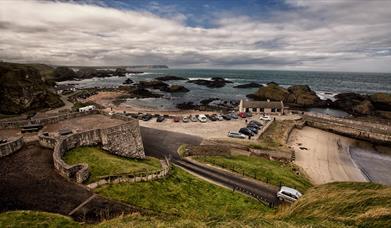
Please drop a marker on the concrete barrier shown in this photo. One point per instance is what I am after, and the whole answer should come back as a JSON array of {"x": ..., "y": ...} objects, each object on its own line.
[{"x": 11, "y": 147}]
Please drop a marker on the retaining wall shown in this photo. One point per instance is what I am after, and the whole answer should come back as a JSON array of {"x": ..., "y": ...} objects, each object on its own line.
[
  {"x": 272, "y": 153},
  {"x": 11, "y": 147},
  {"x": 355, "y": 129}
]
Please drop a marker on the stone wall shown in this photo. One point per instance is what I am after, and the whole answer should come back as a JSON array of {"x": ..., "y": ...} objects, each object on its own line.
[
  {"x": 355, "y": 129},
  {"x": 134, "y": 177},
  {"x": 11, "y": 147},
  {"x": 47, "y": 141},
  {"x": 272, "y": 153},
  {"x": 123, "y": 140}
]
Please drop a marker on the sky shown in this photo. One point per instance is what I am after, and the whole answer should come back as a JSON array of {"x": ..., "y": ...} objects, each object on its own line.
[{"x": 326, "y": 35}]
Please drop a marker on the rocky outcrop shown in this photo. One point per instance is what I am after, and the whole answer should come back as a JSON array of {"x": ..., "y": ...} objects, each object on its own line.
[
  {"x": 170, "y": 78},
  {"x": 153, "y": 84},
  {"x": 128, "y": 81},
  {"x": 365, "y": 107},
  {"x": 215, "y": 82},
  {"x": 271, "y": 92},
  {"x": 141, "y": 92},
  {"x": 174, "y": 89},
  {"x": 248, "y": 85},
  {"x": 121, "y": 72},
  {"x": 381, "y": 101},
  {"x": 22, "y": 89},
  {"x": 64, "y": 74}
]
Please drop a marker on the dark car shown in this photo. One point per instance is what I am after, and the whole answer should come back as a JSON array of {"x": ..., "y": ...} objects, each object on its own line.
[
  {"x": 254, "y": 130},
  {"x": 160, "y": 119},
  {"x": 249, "y": 114},
  {"x": 213, "y": 118},
  {"x": 147, "y": 117},
  {"x": 246, "y": 131},
  {"x": 227, "y": 117},
  {"x": 233, "y": 116},
  {"x": 253, "y": 126},
  {"x": 255, "y": 122}
]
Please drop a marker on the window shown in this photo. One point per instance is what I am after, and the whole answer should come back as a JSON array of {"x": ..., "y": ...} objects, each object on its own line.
[
  {"x": 273, "y": 110},
  {"x": 262, "y": 110},
  {"x": 254, "y": 109}
]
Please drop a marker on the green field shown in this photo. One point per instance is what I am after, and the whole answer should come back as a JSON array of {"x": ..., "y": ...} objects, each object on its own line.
[
  {"x": 24, "y": 219},
  {"x": 103, "y": 164},
  {"x": 273, "y": 172},
  {"x": 189, "y": 197}
]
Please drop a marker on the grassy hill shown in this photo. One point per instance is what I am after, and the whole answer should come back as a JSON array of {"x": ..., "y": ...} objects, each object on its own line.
[{"x": 343, "y": 204}]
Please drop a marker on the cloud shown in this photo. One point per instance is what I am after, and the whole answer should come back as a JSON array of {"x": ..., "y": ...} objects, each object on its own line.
[{"x": 322, "y": 35}]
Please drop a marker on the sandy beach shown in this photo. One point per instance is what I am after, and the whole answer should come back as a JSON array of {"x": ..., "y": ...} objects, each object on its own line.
[{"x": 324, "y": 156}]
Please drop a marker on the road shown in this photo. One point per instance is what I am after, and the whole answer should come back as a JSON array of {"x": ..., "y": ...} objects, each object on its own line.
[{"x": 160, "y": 143}]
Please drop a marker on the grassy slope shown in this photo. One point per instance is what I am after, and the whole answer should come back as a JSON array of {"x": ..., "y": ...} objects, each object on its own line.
[
  {"x": 273, "y": 171},
  {"x": 357, "y": 204},
  {"x": 190, "y": 197},
  {"x": 274, "y": 137},
  {"x": 102, "y": 163},
  {"x": 24, "y": 219}
]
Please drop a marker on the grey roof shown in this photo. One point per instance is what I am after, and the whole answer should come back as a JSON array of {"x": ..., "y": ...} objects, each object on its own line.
[{"x": 262, "y": 104}]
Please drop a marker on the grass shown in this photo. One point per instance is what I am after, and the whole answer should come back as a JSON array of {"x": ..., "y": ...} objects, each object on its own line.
[
  {"x": 352, "y": 204},
  {"x": 274, "y": 137},
  {"x": 274, "y": 172},
  {"x": 24, "y": 219},
  {"x": 189, "y": 197},
  {"x": 102, "y": 163}
]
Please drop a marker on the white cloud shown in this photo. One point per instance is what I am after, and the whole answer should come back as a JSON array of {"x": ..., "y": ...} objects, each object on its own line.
[{"x": 324, "y": 35}]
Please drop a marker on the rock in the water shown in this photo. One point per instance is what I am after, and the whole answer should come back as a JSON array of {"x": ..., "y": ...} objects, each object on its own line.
[
  {"x": 215, "y": 82},
  {"x": 141, "y": 92},
  {"x": 154, "y": 84},
  {"x": 381, "y": 101},
  {"x": 346, "y": 101},
  {"x": 248, "y": 85},
  {"x": 271, "y": 92},
  {"x": 170, "y": 78},
  {"x": 303, "y": 96},
  {"x": 128, "y": 81},
  {"x": 22, "y": 89},
  {"x": 363, "y": 108},
  {"x": 207, "y": 101},
  {"x": 121, "y": 72},
  {"x": 174, "y": 89}
]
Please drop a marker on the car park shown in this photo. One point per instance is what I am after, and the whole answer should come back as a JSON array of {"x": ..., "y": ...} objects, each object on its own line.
[
  {"x": 233, "y": 116},
  {"x": 147, "y": 117},
  {"x": 234, "y": 134},
  {"x": 202, "y": 118},
  {"x": 253, "y": 126},
  {"x": 288, "y": 194},
  {"x": 219, "y": 117},
  {"x": 227, "y": 117},
  {"x": 213, "y": 117},
  {"x": 249, "y": 114},
  {"x": 177, "y": 119},
  {"x": 266, "y": 118},
  {"x": 246, "y": 131}
]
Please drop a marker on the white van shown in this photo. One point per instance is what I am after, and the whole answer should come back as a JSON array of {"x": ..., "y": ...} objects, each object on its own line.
[
  {"x": 202, "y": 118},
  {"x": 87, "y": 108},
  {"x": 288, "y": 194}
]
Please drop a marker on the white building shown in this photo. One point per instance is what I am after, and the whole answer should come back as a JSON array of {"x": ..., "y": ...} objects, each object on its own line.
[{"x": 267, "y": 107}]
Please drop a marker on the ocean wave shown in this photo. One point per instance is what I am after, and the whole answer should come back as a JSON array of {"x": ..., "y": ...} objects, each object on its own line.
[{"x": 324, "y": 95}]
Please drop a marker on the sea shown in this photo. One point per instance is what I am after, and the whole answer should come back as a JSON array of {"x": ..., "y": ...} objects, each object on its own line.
[{"x": 325, "y": 84}]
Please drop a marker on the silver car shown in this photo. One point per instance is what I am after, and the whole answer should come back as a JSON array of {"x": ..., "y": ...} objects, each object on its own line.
[
  {"x": 235, "y": 134},
  {"x": 288, "y": 194}
]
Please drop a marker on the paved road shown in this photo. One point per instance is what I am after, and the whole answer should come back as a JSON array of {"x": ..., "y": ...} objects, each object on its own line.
[{"x": 160, "y": 143}]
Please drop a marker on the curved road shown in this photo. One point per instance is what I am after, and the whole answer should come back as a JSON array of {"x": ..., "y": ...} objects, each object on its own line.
[{"x": 160, "y": 143}]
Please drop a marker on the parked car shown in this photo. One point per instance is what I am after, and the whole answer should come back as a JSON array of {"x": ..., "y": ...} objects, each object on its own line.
[
  {"x": 235, "y": 134},
  {"x": 256, "y": 122},
  {"x": 227, "y": 117},
  {"x": 185, "y": 119},
  {"x": 288, "y": 194},
  {"x": 147, "y": 117},
  {"x": 160, "y": 119},
  {"x": 193, "y": 118},
  {"x": 219, "y": 117},
  {"x": 202, "y": 118},
  {"x": 177, "y": 119},
  {"x": 246, "y": 131},
  {"x": 253, "y": 126},
  {"x": 249, "y": 114},
  {"x": 233, "y": 116},
  {"x": 266, "y": 118},
  {"x": 242, "y": 114},
  {"x": 253, "y": 129}
]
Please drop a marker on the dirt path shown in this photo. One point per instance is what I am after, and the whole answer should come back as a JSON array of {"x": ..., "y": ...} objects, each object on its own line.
[
  {"x": 28, "y": 181},
  {"x": 324, "y": 156}
]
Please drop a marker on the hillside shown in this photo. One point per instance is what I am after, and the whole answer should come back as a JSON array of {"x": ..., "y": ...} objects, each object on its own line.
[{"x": 26, "y": 87}]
